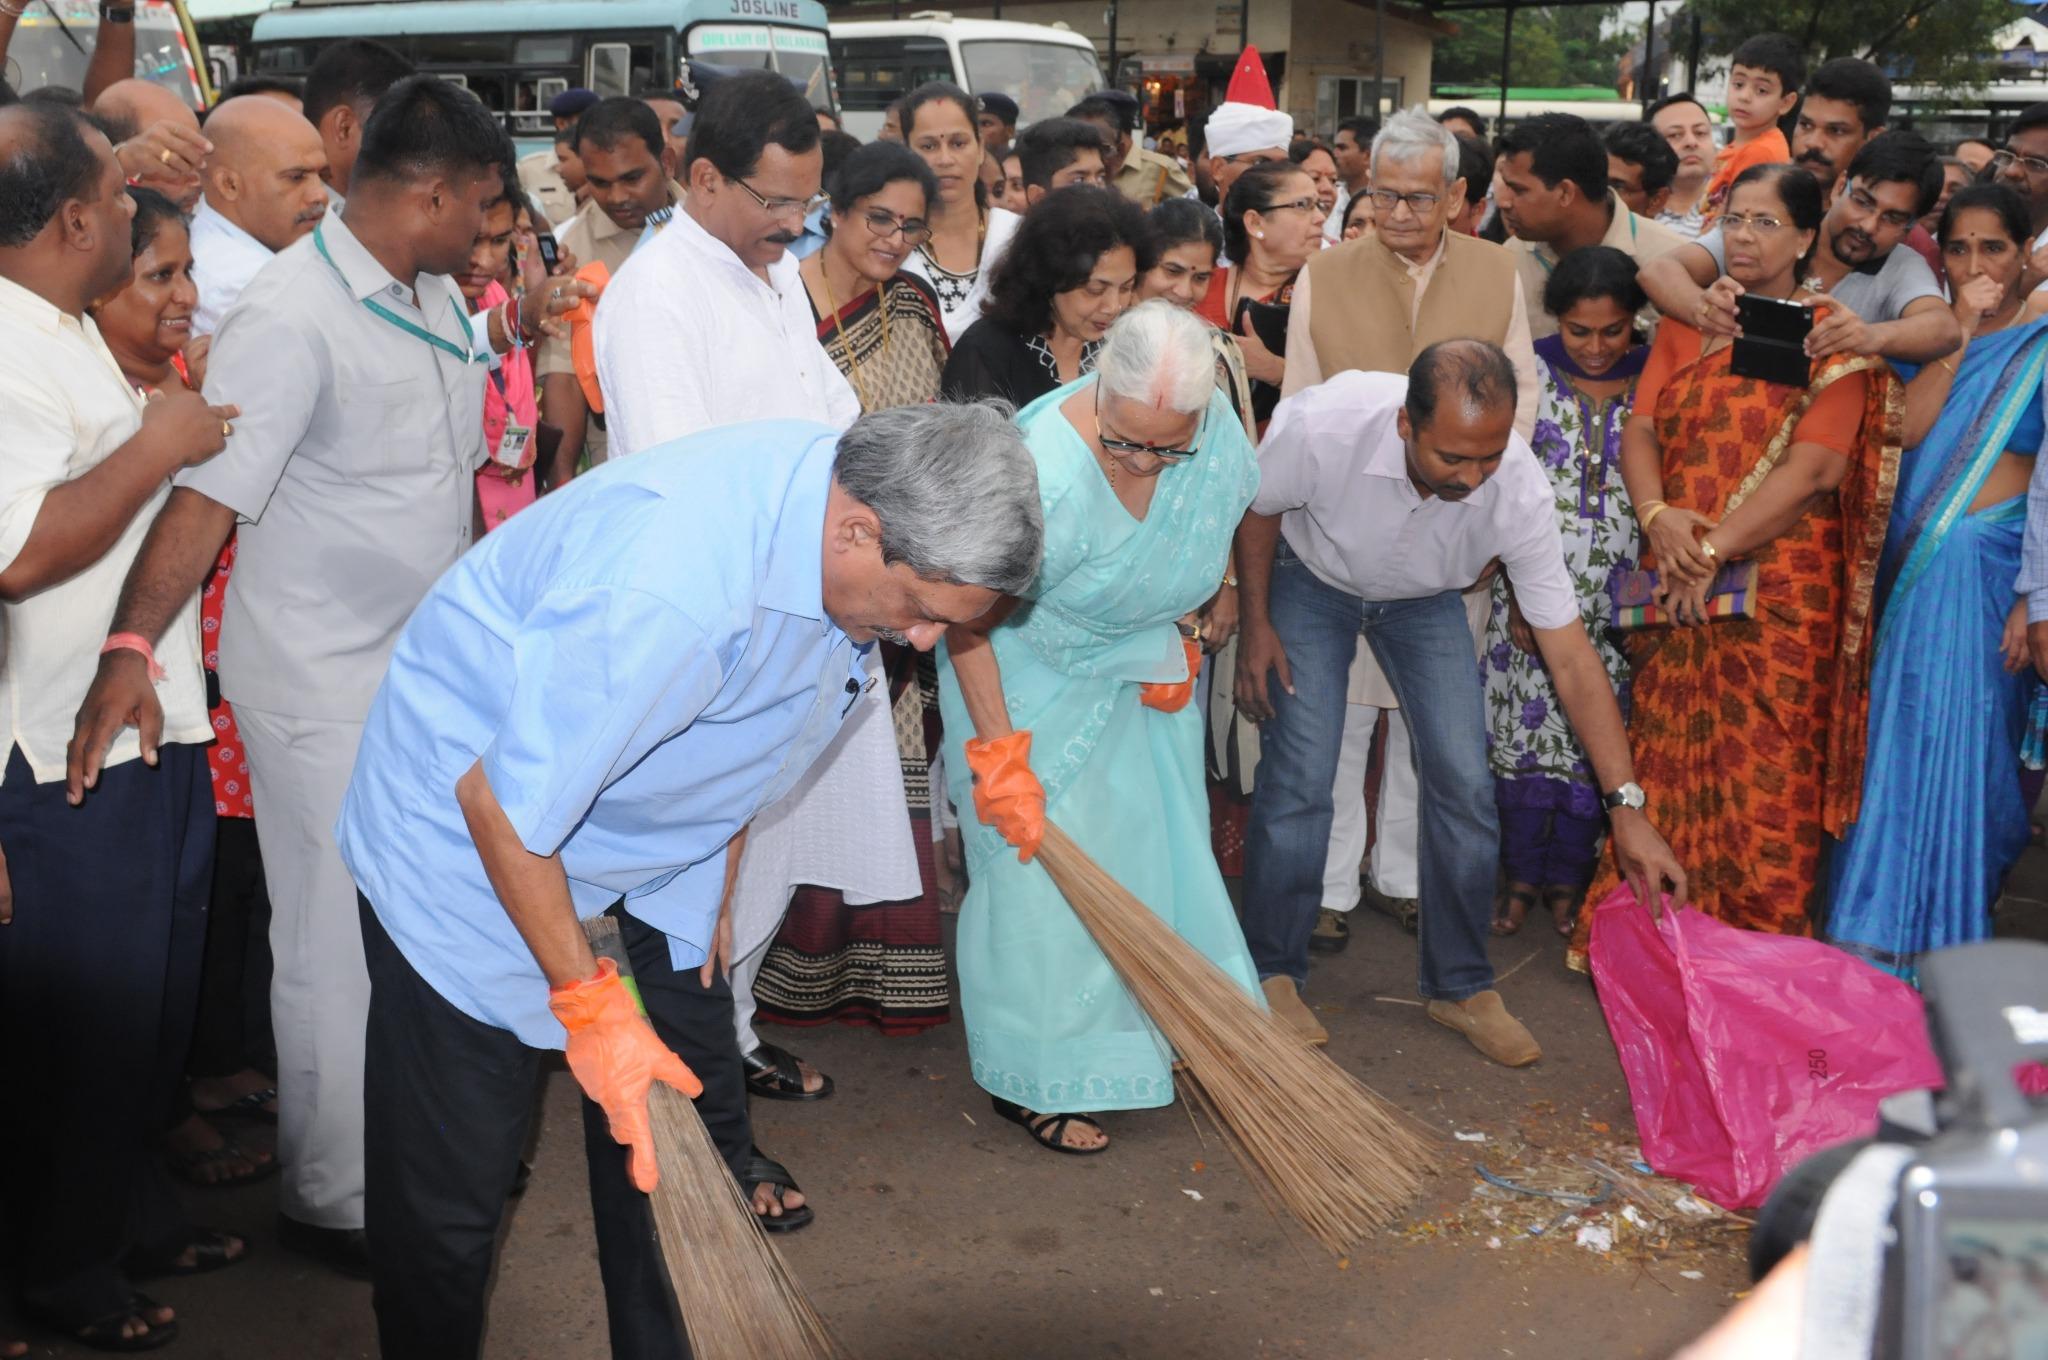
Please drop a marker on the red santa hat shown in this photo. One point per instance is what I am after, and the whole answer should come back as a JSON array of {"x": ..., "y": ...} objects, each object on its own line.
[{"x": 1247, "y": 119}]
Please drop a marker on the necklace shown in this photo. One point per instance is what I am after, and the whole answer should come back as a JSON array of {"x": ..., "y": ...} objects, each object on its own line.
[{"x": 839, "y": 329}]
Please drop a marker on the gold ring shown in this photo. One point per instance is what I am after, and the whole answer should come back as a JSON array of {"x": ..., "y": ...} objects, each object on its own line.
[
  {"x": 1708, "y": 549},
  {"x": 164, "y": 155},
  {"x": 226, "y": 429}
]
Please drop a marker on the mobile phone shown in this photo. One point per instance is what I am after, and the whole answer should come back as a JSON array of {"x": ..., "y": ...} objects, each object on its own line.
[
  {"x": 549, "y": 255},
  {"x": 1772, "y": 345}
]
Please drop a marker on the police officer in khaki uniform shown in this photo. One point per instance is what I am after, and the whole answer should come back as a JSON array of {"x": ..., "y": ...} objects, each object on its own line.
[
  {"x": 537, "y": 172},
  {"x": 1144, "y": 177}
]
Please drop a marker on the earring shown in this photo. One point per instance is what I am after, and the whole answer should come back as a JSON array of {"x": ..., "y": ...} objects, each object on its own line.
[{"x": 1260, "y": 234}]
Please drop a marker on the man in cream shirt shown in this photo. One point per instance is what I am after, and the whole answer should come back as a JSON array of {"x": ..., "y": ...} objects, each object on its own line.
[{"x": 99, "y": 964}]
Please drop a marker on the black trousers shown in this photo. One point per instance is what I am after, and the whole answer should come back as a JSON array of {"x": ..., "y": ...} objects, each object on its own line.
[
  {"x": 98, "y": 977},
  {"x": 446, "y": 1104},
  {"x": 232, "y": 1029}
]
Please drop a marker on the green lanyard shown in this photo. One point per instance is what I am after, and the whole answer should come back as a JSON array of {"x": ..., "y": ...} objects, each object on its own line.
[{"x": 383, "y": 313}]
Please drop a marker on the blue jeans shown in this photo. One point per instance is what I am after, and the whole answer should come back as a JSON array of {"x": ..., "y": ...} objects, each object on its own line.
[{"x": 1425, "y": 647}]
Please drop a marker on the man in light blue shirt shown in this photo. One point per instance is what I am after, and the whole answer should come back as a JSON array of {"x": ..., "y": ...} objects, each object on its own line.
[{"x": 583, "y": 712}]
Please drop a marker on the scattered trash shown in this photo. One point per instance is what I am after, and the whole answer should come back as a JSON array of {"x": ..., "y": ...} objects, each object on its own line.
[
  {"x": 1493, "y": 1244},
  {"x": 1691, "y": 1275},
  {"x": 1595, "y": 1237},
  {"x": 1156, "y": 1292},
  {"x": 1471, "y": 1137},
  {"x": 1686, "y": 1204},
  {"x": 1634, "y": 1216},
  {"x": 1194, "y": 1195},
  {"x": 969, "y": 1118}
]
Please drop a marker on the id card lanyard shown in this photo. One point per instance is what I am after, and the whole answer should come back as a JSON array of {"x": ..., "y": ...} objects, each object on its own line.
[{"x": 465, "y": 353}]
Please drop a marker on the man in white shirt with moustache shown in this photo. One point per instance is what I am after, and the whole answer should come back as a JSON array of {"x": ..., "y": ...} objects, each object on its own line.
[{"x": 263, "y": 188}]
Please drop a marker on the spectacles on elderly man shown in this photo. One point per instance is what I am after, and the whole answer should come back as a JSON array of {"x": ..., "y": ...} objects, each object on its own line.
[
  {"x": 1170, "y": 453},
  {"x": 1386, "y": 200},
  {"x": 2033, "y": 165},
  {"x": 781, "y": 207}
]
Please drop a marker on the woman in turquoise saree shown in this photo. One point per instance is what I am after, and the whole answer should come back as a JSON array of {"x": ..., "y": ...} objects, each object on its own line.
[
  {"x": 1942, "y": 817},
  {"x": 1072, "y": 707}
]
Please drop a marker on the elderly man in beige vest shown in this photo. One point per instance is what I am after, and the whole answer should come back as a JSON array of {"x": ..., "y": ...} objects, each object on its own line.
[
  {"x": 1396, "y": 290},
  {"x": 1387, "y": 296}
]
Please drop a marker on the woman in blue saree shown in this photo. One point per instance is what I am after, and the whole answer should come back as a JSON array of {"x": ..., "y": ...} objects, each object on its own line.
[
  {"x": 1942, "y": 817},
  {"x": 1073, "y": 706}
]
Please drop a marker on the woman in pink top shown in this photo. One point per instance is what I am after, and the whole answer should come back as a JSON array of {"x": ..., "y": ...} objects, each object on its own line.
[{"x": 505, "y": 483}]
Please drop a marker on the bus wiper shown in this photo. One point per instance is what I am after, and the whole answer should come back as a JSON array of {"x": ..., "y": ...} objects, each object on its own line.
[{"x": 65, "y": 29}]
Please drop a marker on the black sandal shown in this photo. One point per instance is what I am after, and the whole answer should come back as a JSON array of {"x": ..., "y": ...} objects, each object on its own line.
[
  {"x": 1569, "y": 898},
  {"x": 1512, "y": 909},
  {"x": 1048, "y": 1130},
  {"x": 103, "y": 1333},
  {"x": 249, "y": 1106},
  {"x": 773, "y": 1074},
  {"x": 767, "y": 1171},
  {"x": 210, "y": 1252}
]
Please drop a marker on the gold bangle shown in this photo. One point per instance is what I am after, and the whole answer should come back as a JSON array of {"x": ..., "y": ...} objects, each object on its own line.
[
  {"x": 1646, "y": 515},
  {"x": 1948, "y": 364}
]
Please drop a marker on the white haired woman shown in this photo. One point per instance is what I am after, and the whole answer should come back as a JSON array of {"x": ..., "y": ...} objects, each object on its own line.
[{"x": 1075, "y": 706}]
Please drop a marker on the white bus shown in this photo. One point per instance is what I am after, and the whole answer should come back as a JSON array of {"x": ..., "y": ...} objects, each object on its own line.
[{"x": 1047, "y": 70}]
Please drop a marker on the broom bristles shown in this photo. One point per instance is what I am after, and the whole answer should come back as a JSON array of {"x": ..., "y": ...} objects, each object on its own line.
[
  {"x": 738, "y": 1298},
  {"x": 1314, "y": 1139}
]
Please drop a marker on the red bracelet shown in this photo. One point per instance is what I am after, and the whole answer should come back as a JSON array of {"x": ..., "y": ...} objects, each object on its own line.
[{"x": 135, "y": 642}]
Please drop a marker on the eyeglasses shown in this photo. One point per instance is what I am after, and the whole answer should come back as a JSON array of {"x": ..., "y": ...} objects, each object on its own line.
[
  {"x": 1763, "y": 224},
  {"x": 1116, "y": 445},
  {"x": 2033, "y": 165},
  {"x": 1294, "y": 205},
  {"x": 1386, "y": 200},
  {"x": 781, "y": 207},
  {"x": 1897, "y": 221},
  {"x": 884, "y": 224}
]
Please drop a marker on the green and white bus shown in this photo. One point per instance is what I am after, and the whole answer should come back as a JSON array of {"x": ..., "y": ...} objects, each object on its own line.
[{"x": 516, "y": 55}]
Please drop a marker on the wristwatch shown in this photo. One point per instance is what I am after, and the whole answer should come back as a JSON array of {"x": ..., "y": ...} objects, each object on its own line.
[
  {"x": 1629, "y": 795},
  {"x": 117, "y": 14}
]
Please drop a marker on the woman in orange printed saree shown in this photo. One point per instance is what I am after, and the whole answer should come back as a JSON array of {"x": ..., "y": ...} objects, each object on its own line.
[{"x": 1748, "y": 732}]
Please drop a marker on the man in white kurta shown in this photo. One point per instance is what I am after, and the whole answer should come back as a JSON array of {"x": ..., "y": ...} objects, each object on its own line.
[{"x": 708, "y": 324}]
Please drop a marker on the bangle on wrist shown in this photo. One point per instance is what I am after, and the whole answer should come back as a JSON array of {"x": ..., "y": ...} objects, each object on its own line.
[
  {"x": 135, "y": 642},
  {"x": 1646, "y": 514}
]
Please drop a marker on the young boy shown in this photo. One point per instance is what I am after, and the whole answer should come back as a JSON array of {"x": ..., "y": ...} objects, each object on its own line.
[{"x": 1763, "y": 84}]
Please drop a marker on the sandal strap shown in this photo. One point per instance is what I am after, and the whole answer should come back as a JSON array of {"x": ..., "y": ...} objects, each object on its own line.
[
  {"x": 1051, "y": 1129},
  {"x": 768, "y": 1063},
  {"x": 767, "y": 1171}
]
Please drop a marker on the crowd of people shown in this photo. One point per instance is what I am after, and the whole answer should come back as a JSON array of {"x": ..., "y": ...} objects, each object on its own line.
[{"x": 408, "y": 550}]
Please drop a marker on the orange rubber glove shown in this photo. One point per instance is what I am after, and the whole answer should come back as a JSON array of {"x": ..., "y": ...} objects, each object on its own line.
[
  {"x": 582, "y": 319},
  {"x": 1007, "y": 796},
  {"x": 616, "y": 1056},
  {"x": 1173, "y": 697}
]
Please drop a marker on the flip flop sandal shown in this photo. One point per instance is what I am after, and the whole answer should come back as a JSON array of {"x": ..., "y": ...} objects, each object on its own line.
[
  {"x": 209, "y": 1248},
  {"x": 1521, "y": 902},
  {"x": 1048, "y": 1130},
  {"x": 773, "y": 1074},
  {"x": 1331, "y": 934},
  {"x": 767, "y": 1171},
  {"x": 188, "y": 1165},
  {"x": 1568, "y": 898},
  {"x": 103, "y": 1333},
  {"x": 249, "y": 1106}
]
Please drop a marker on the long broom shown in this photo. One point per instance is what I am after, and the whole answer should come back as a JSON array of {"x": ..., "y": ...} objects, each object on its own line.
[
  {"x": 738, "y": 1297},
  {"x": 1315, "y": 1140}
]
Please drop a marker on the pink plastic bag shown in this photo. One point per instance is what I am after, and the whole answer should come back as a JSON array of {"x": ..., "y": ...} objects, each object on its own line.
[{"x": 1745, "y": 1052}]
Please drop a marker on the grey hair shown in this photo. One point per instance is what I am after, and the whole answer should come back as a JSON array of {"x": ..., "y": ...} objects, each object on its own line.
[
  {"x": 955, "y": 488},
  {"x": 1159, "y": 355},
  {"x": 1411, "y": 134}
]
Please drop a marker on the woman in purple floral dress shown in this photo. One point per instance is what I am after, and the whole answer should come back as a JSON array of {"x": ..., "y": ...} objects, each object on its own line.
[{"x": 1550, "y": 814}]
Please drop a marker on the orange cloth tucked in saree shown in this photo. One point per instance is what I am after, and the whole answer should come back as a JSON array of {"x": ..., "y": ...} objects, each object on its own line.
[{"x": 1748, "y": 734}]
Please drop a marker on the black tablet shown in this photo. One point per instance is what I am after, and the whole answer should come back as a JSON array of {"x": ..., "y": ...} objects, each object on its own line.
[{"x": 1772, "y": 345}]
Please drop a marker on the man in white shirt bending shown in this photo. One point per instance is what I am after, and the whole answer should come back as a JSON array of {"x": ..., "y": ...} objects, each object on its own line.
[
  {"x": 263, "y": 191},
  {"x": 1380, "y": 498}
]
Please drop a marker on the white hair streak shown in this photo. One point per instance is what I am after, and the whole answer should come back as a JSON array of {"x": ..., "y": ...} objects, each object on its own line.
[
  {"x": 1161, "y": 355},
  {"x": 1411, "y": 134}
]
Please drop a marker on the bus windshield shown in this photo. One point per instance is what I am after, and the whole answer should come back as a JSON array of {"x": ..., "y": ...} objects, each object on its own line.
[
  {"x": 1046, "y": 78},
  {"x": 45, "y": 52},
  {"x": 799, "y": 54}
]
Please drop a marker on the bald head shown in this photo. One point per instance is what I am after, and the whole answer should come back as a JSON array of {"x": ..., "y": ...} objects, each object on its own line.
[
  {"x": 133, "y": 105},
  {"x": 265, "y": 171}
]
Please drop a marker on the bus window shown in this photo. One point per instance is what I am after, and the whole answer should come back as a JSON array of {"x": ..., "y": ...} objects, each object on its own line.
[
  {"x": 1046, "y": 78},
  {"x": 876, "y": 72},
  {"x": 48, "y": 51},
  {"x": 545, "y": 49},
  {"x": 611, "y": 69},
  {"x": 802, "y": 55}
]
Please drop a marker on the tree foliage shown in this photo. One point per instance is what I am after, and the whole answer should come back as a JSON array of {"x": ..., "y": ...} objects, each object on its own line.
[
  {"x": 1553, "y": 46},
  {"x": 1935, "y": 42}
]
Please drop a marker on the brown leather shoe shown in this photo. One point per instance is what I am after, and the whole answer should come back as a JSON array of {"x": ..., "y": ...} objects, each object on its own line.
[
  {"x": 1290, "y": 1010},
  {"x": 1486, "y": 1022}
]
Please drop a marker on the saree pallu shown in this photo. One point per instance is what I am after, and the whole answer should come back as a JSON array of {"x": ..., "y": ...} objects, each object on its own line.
[
  {"x": 1748, "y": 733},
  {"x": 876, "y": 963},
  {"x": 1943, "y": 816}
]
